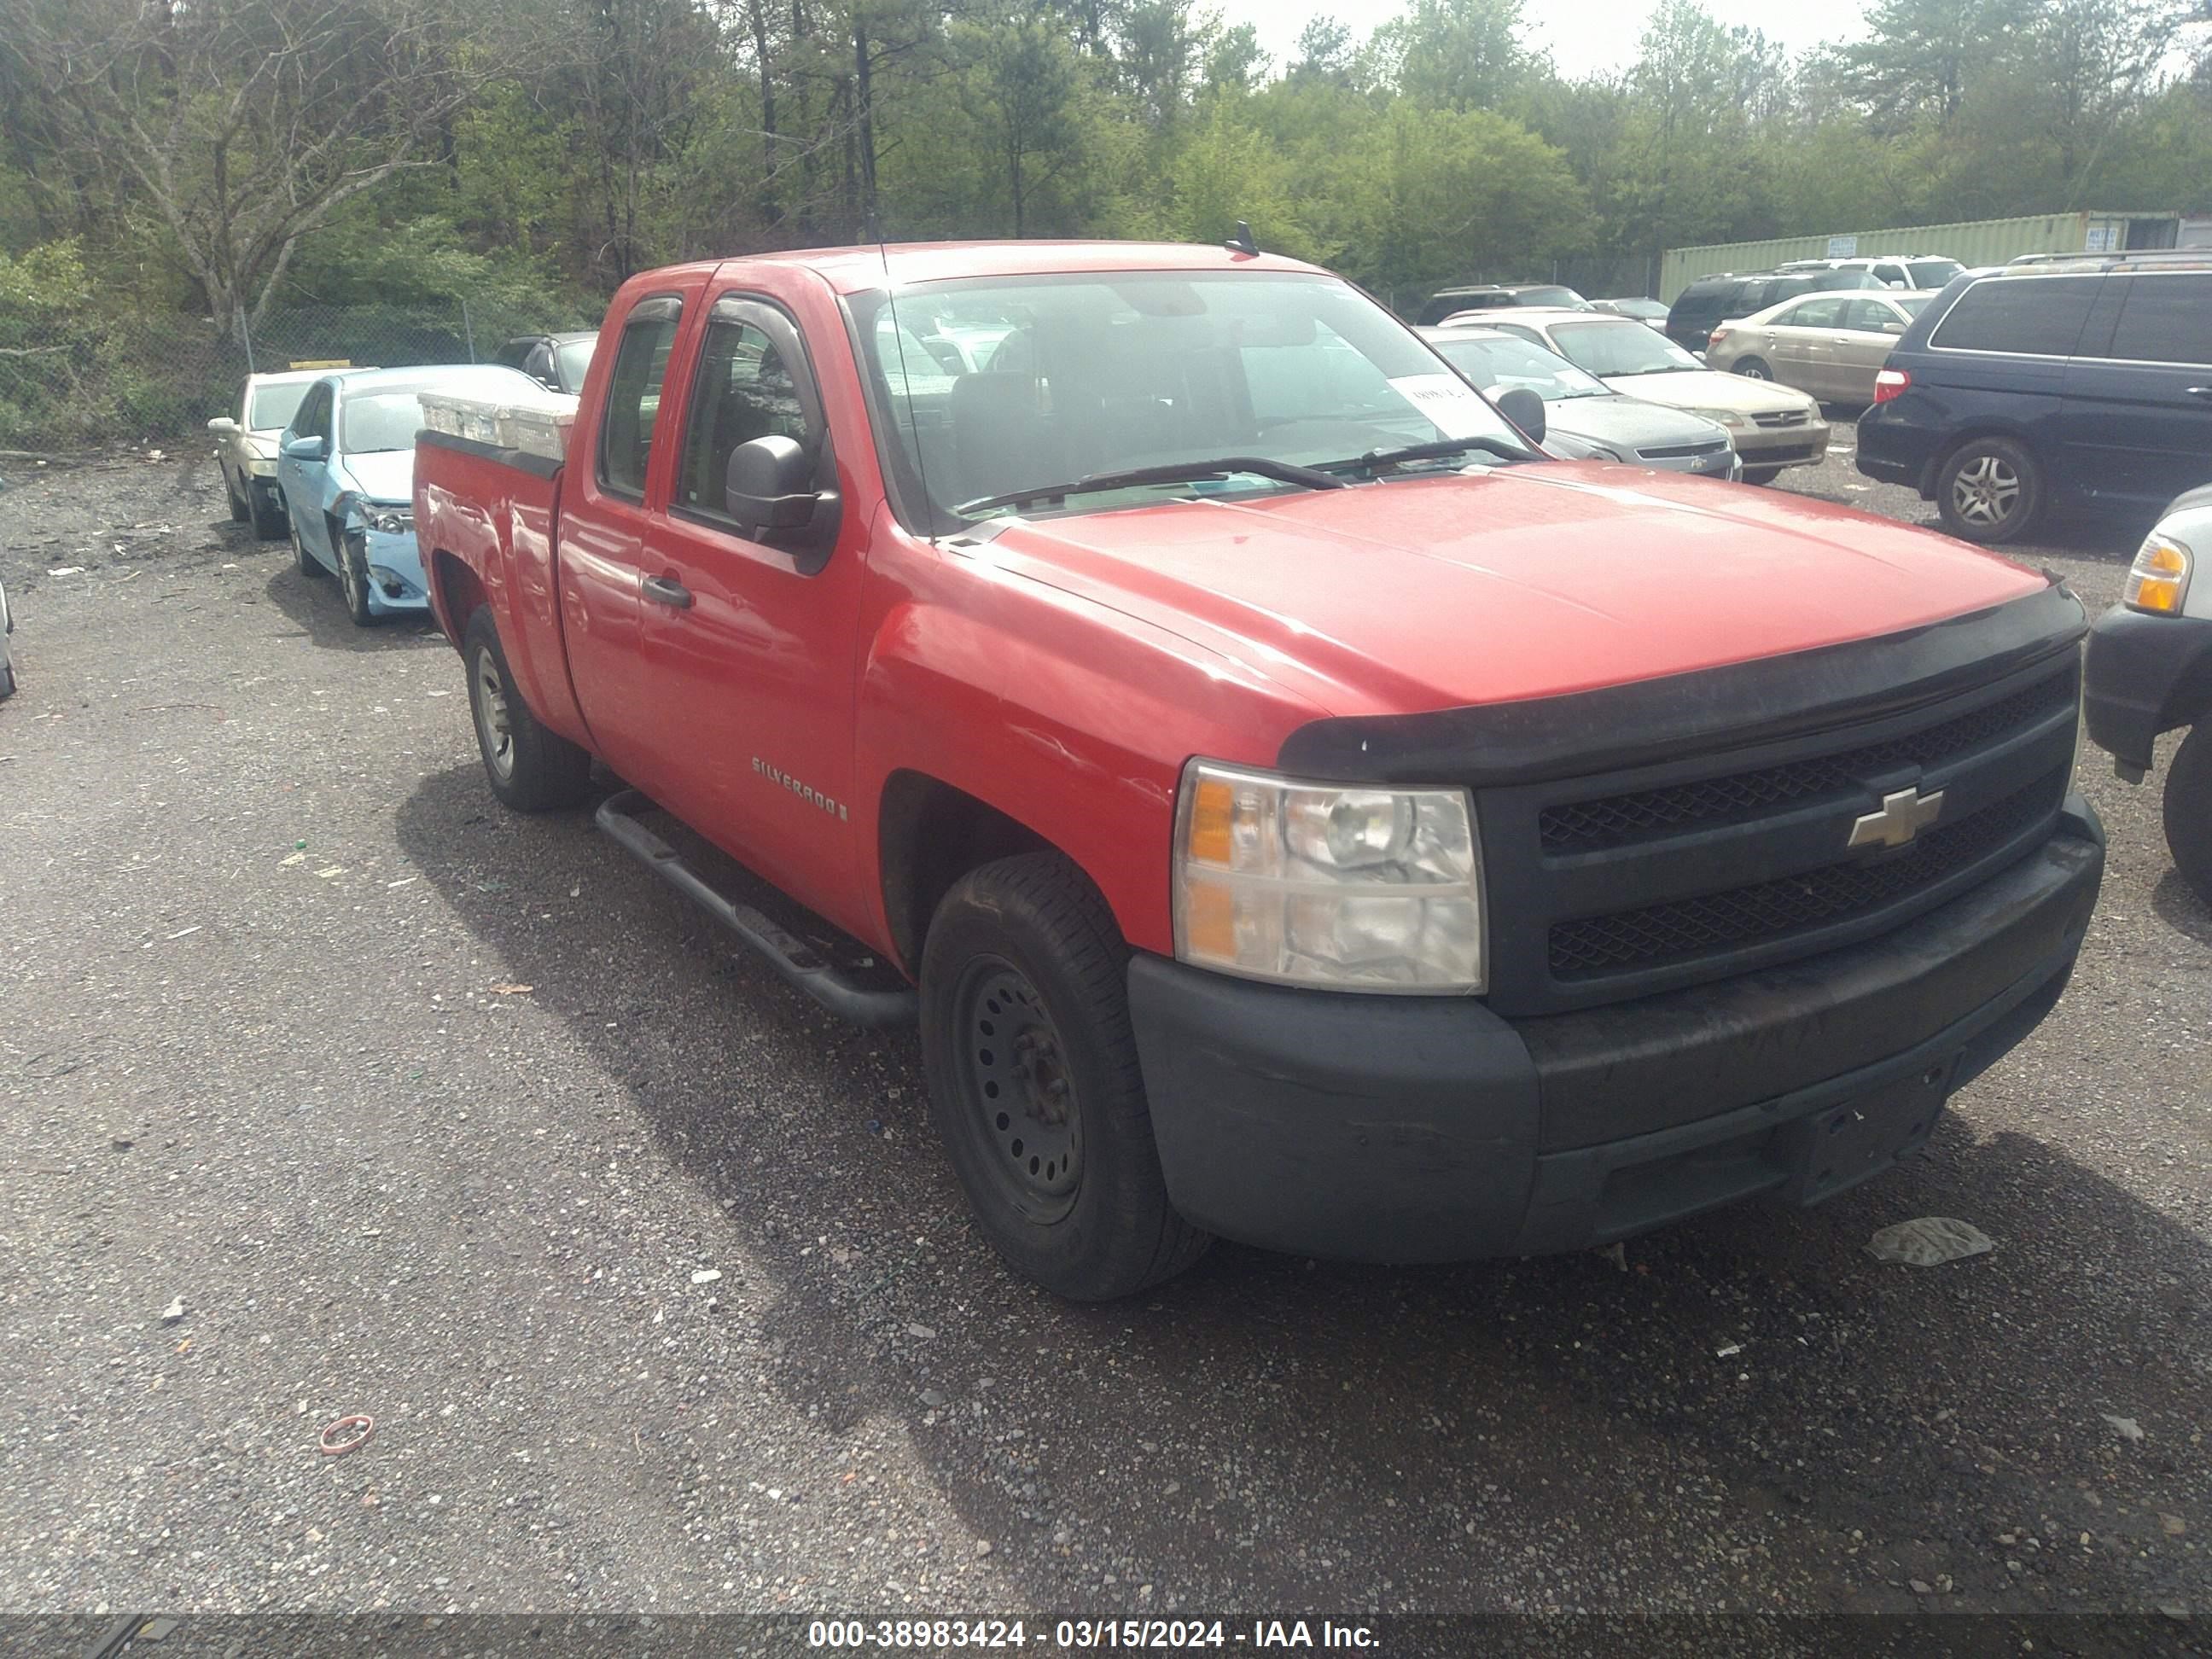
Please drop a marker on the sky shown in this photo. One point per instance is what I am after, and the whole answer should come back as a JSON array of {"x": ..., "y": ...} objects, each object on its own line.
[{"x": 1585, "y": 37}]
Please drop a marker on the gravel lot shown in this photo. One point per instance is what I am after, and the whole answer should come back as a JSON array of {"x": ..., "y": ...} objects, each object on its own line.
[{"x": 424, "y": 1110}]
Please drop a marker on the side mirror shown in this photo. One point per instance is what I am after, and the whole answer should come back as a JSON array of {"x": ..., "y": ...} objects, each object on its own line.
[
  {"x": 1525, "y": 410},
  {"x": 306, "y": 449},
  {"x": 769, "y": 486},
  {"x": 223, "y": 424},
  {"x": 1893, "y": 327}
]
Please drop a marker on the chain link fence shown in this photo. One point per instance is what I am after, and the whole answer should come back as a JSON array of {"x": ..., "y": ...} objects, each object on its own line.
[{"x": 77, "y": 379}]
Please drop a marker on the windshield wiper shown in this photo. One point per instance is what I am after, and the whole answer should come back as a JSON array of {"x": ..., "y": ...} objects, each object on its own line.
[
  {"x": 1436, "y": 450},
  {"x": 1169, "y": 472}
]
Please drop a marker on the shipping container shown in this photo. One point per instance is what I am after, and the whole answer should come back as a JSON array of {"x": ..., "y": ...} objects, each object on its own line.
[{"x": 1975, "y": 242}]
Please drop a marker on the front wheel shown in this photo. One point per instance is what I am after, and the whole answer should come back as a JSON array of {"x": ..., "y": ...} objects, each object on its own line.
[
  {"x": 2189, "y": 811},
  {"x": 240, "y": 510},
  {"x": 530, "y": 769},
  {"x": 1990, "y": 490},
  {"x": 1761, "y": 475},
  {"x": 1034, "y": 1082},
  {"x": 353, "y": 577},
  {"x": 1754, "y": 369}
]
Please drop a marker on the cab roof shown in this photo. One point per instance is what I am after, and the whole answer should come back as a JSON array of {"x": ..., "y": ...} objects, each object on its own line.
[{"x": 856, "y": 269}]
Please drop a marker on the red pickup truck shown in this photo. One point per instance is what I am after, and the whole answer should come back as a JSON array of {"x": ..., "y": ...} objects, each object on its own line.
[{"x": 1295, "y": 808}]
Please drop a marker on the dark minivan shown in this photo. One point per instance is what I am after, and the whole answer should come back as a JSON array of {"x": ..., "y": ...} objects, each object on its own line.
[
  {"x": 1708, "y": 301},
  {"x": 2051, "y": 387}
]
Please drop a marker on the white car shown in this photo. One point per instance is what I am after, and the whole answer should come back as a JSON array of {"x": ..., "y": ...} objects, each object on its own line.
[
  {"x": 246, "y": 445},
  {"x": 2148, "y": 671}
]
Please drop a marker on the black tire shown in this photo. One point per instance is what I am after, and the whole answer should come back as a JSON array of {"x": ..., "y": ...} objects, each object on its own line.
[
  {"x": 267, "y": 511},
  {"x": 308, "y": 564},
  {"x": 1988, "y": 490},
  {"x": 1761, "y": 475},
  {"x": 1753, "y": 368},
  {"x": 353, "y": 577},
  {"x": 2189, "y": 811},
  {"x": 530, "y": 769},
  {"x": 1025, "y": 1007},
  {"x": 240, "y": 511}
]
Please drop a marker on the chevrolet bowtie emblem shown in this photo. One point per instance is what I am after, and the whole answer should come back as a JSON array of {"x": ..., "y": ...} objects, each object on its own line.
[{"x": 1904, "y": 815}]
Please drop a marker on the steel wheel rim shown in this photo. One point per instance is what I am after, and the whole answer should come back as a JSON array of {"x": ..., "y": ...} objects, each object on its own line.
[
  {"x": 1986, "y": 490},
  {"x": 1024, "y": 1111},
  {"x": 1755, "y": 372},
  {"x": 494, "y": 729}
]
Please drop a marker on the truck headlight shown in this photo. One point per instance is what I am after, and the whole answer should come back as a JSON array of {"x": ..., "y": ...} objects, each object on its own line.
[
  {"x": 1345, "y": 887},
  {"x": 2158, "y": 582},
  {"x": 390, "y": 520}
]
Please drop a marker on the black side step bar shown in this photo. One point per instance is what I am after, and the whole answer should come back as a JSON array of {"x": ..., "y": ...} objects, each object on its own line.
[{"x": 794, "y": 959}]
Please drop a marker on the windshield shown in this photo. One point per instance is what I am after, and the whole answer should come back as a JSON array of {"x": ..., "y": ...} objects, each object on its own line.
[
  {"x": 388, "y": 417},
  {"x": 1933, "y": 273},
  {"x": 570, "y": 360},
  {"x": 1618, "y": 346},
  {"x": 275, "y": 406},
  {"x": 1106, "y": 372},
  {"x": 1499, "y": 364},
  {"x": 1552, "y": 295}
]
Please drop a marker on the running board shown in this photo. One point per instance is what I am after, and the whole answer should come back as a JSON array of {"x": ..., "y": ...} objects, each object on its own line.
[{"x": 794, "y": 959}]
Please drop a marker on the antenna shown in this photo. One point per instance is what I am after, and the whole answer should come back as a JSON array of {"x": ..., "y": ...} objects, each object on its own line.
[
  {"x": 1242, "y": 243},
  {"x": 874, "y": 231}
]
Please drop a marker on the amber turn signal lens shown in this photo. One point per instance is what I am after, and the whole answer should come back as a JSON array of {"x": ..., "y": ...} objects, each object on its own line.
[
  {"x": 1212, "y": 810},
  {"x": 2158, "y": 582}
]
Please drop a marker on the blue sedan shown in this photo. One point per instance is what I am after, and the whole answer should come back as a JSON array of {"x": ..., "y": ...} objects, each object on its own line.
[{"x": 346, "y": 469}]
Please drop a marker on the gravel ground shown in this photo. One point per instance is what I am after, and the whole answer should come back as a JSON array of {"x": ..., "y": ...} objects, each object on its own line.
[{"x": 330, "y": 1088}]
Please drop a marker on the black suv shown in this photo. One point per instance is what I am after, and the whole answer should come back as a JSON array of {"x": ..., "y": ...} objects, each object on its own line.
[
  {"x": 1708, "y": 301},
  {"x": 1487, "y": 296},
  {"x": 2051, "y": 386}
]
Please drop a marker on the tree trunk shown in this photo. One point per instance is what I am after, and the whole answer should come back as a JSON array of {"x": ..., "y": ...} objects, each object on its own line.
[
  {"x": 864, "y": 116},
  {"x": 757, "y": 13}
]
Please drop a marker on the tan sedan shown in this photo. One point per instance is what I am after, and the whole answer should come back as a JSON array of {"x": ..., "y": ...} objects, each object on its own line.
[
  {"x": 1772, "y": 426},
  {"x": 1829, "y": 344}
]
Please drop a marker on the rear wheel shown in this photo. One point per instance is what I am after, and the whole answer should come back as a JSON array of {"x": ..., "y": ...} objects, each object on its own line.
[
  {"x": 308, "y": 563},
  {"x": 1754, "y": 369},
  {"x": 1034, "y": 1082},
  {"x": 2189, "y": 811},
  {"x": 530, "y": 769},
  {"x": 1989, "y": 489}
]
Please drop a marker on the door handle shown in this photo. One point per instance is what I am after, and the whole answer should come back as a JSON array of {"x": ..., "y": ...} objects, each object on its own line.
[{"x": 664, "y": 590}]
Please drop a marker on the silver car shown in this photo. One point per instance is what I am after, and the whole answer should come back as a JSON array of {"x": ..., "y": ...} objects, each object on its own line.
[
  {"x": 1605, "y": 425},
  {"x": 7, "y": 659},
  {"x": 246, "y": 445}
]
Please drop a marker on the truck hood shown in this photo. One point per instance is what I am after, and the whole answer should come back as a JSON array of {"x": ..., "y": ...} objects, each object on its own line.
[
  {"x": 382, "y": 475},
  {"x": 1528, "y": 581}
]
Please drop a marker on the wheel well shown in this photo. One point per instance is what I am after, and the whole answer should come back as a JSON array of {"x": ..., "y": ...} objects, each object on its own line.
[
  {"x": 930, "y": 834},
  {"x": 459, "y": 592},
  {"x": 1974, "y": 434}
]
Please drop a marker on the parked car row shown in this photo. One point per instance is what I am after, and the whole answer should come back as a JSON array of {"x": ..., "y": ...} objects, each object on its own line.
[{"x": 325, "y": 457}]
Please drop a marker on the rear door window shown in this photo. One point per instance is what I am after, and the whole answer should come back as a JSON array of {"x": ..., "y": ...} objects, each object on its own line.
[
  {"x": 633, "y": 397},
  {"x": 1826, "y": 312},
  {"x": 2026, "y": 316},
  {"x": 1871, "y": 316},
  {"x": 2166, "y": 319}
]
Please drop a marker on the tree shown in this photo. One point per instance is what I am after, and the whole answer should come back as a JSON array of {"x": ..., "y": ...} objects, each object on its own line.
[
  {"x": 244, "y": 124},
  {"x": 1024, "y": 89},
  {"x": 1454, "y": 54}
]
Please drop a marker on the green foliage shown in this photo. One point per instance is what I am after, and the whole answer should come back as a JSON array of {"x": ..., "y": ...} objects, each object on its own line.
[{"x": 524, "y": 155}]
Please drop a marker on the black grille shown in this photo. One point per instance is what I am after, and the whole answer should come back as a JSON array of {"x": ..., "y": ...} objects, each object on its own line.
[
  {"x": 1587, "y": 826},
  {"x": 1786, "y": 417},
  {"x": 1718, "y": 922}
]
